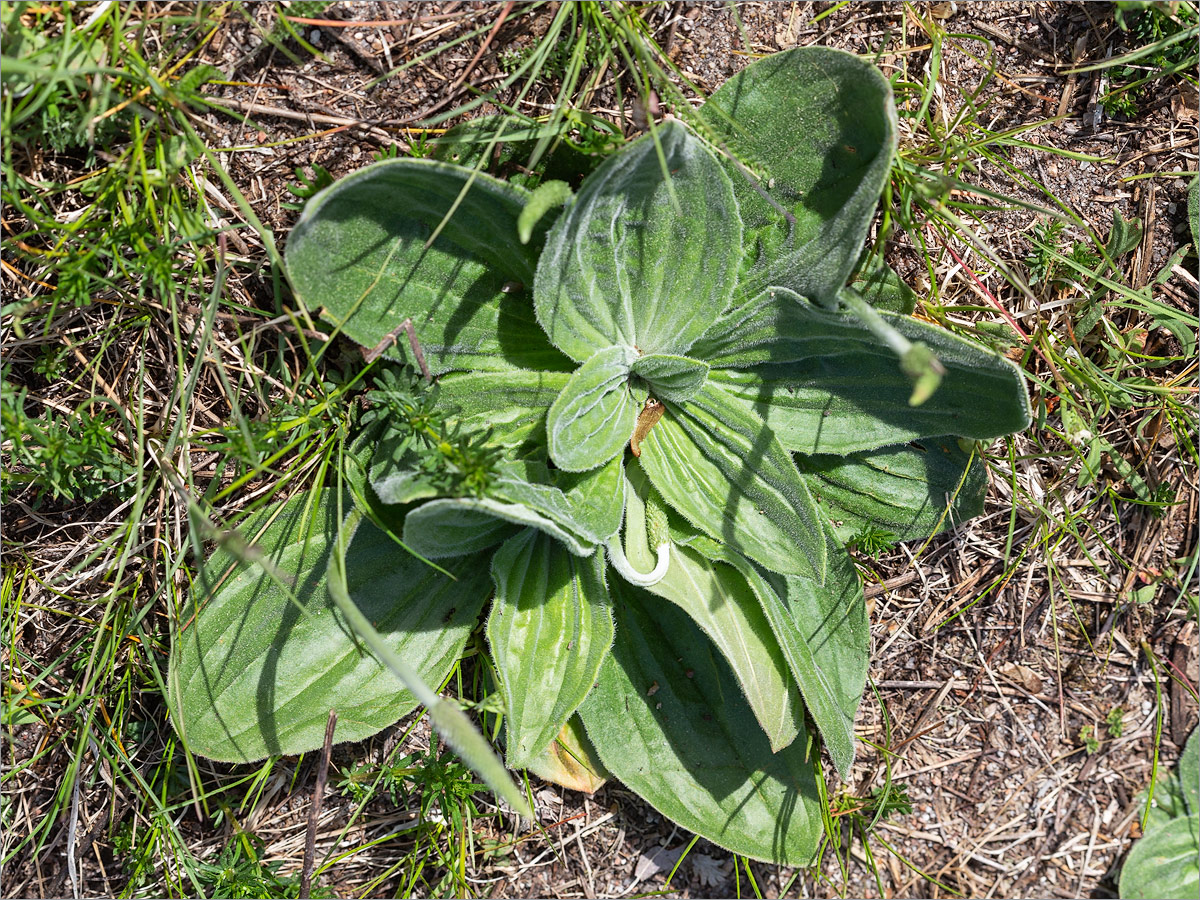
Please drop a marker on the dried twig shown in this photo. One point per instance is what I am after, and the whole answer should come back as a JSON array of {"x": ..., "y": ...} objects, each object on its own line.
[{"x": 314, "y": 812}]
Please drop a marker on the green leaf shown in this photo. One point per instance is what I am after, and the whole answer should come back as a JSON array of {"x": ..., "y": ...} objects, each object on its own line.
[
  {"x": 825, "y": 384},
  {"x": 668, "y": 718},
  {"x": 674, "y": 378},
  {"x": 1124, "y": 236},
  {"x": 394, "y": 476},
  {"x": 591, "y": 421},
  {"x": 460, "y": 526},
  {"x": 359, "y": 251},
  {"x": 718, "y": 599},
  {"x": 878, "y": 284},
  {"x": 597, "y": 497},
  {"x": 818, "y": 126},
  {"x": 254, "y": 674},
  {"x": 545, "y": 197},
  {"x": 825, "y": 637},
  {"x": 513, "y": 404},
  {"x": 624, "y": 265},
  {"x": 457, "y": 525},
  {"x": 451, "y": 724},
  {"x": 1188, "y": 772},
  {"x": 714, "y": 462},
  {"x": 912, "y": 490},
  {"x": 1163, "y": 864},
  {"x": 549, "y": 629}
]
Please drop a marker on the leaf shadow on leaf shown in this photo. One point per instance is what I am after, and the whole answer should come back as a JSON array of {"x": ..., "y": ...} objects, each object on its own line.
[
  {"x": 360, "y": 252},
  {"x": 670, "y": 684},
  {"x": 499, "y": 286},
  {"x": 908, "y": 491},
  {"x": 297, "y": 659},
  {"x": 782, "y": 114},
  {"x": 827, "y": 385}
]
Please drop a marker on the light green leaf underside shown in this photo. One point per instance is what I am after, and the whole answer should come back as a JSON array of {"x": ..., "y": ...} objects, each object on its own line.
[
  {"x": 905, "y": 489},
  {"x": 718, "y": 599},
  {"x": 1163, "y": 864},
  {"x": 513, "y": 404},
  {"x": 243, "y": 680},
  {"x": 667, "y": 717},
  {"x": 623, "y": 265},
  {"x": 819, "y": 126},
  {"x": 549, "y": 629},
  {"x": 457, "y": 526},
  {"x": 359, "y": 251},
  {"x": 825, "y": 384},
  {"x": 823, "y": 632},
  {"x": 713, "y": 461},
  {"x": 591, "y": 421},
  {"x": 674, "y": 378}
]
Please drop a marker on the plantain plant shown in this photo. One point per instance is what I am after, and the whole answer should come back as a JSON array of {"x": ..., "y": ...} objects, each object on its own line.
[{"x": 656, "y": 423}]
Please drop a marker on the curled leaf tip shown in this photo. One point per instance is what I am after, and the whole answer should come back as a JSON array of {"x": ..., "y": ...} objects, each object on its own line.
[{"x": 616, "y": 556}]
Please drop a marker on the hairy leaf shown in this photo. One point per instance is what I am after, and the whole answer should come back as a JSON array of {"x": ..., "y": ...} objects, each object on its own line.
[
  {"x": 243, "y": 684},
  {"x": 715, "y": 463},
  {"x": 667, "y": 717},
  {"x": 597, "y": 498},
  {"x": 622, "y": 265},
  {"x": 718, "y": 599},
  {"x": 825, "y": 384},
  {"x": 823, "y": 632},
  {"x": 513, "y": 404},
  {"x": 591, "y": 420},
  {"x": 912, "y": 490},
  {"x": 1163, "y": 864},
  {"x": 456, "y": 526},
  {"x": 549, "y": 629},
  {"x": 360, "y": 252},
  {"x": 878, "y": 284},
  {"x": 674, "y": 378},
  {"x": 814, "y": 129}
]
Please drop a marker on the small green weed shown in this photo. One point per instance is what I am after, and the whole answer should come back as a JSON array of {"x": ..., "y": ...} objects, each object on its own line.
[
  {"x": 872, "y": 541},
  {"x": 71, "y": 457},
  {"x": 1115, "y": 722},
  {"x": 1165, "y": 33},
  {"x": 240, "y": 873}
]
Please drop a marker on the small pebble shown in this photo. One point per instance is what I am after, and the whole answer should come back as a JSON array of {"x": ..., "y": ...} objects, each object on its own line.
[
  {"x": 1171, "y": 207},
  {"x": 315, "y": 37}
]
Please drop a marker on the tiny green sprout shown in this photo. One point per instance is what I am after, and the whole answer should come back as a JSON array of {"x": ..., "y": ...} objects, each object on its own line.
[
  {"x": 1115, "y": 722},
  {"x": 1087, "y": 737}
]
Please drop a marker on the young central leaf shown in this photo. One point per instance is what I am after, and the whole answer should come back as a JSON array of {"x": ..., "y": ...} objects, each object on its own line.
[
  {"x": 591, "y": 420},
  {"x": 674, "y": 378},
  {"x": 647, "y": 256}
]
